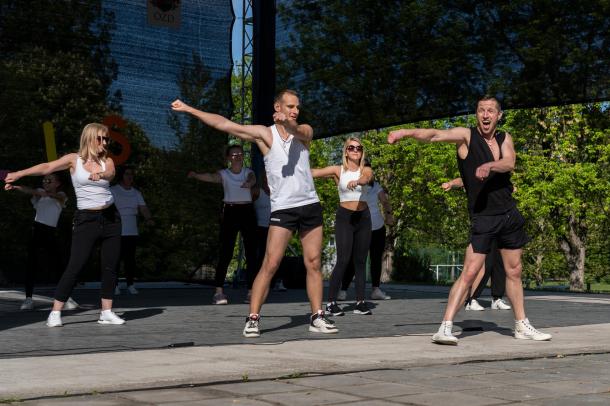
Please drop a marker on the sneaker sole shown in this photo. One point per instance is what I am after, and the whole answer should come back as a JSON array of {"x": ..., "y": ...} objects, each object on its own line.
[
  {"x": 368, "y": 312},
  {"x": 313, "y": 329},
  {"x": 519, "y": 336},
  {"x": 251, "y": 335},
  {"x": 220, "y": 302},
  {"x": 54, "y": 325},
  {"x": 110, "y": 322},
  {"x": 336, "y": 314},
  {"x": 444, "y": 342}
]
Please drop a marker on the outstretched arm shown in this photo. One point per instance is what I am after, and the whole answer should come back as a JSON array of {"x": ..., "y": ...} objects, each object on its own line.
[
  {"x": 328, "y": 172},
  {"x": 253, "y": 133},
  {"x": 452, "y": 184},
  {"x": 46, "y": 168},
  {"x": 506, "y": 164},
  {"x": 205, "y": 177},
  {"x": 457, "y": 135}
]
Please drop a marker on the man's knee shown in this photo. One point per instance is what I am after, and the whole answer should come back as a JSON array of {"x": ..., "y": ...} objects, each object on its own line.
[
  {"x": 313, "y": 263},
  {"x": 514, "y": 271}
]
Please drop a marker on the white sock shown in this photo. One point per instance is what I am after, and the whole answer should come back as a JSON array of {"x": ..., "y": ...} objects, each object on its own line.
[
  {"x": 107, "y": 311},
  {"x": 56, "y": 313}
]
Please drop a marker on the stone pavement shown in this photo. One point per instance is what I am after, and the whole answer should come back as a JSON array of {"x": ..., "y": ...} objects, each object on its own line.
[{"x": 386, "y": 357}]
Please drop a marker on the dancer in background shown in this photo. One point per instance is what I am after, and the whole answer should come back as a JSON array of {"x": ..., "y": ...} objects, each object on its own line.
[
  {"x": 129, "y": 202},
  {"x": 237, "y": 216},
  {"x": 95, "y": 220},
  {"x": 44, "y": 251},
  {"x": 352, "y": 224},
  {"x": 376, "y": 196}
]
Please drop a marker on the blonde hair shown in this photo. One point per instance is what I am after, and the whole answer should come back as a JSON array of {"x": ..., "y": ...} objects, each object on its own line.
[
  {"x": 89, "y": 143},
  {"x": 345, "y": 145}
]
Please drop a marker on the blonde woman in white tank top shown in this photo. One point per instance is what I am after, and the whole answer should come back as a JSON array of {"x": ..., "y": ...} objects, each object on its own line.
[
  {"x": 237, "y": 216},
  {"x": 96, "y": 219},
  {"x": 304, "y": 215},
  {"x": 352, "y": 224}
]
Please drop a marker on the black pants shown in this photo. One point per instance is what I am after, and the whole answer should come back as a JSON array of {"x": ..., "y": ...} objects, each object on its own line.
[
  {"x": 353, "y": 238},
  {"x": 376, "y": 253},
  {"x": 494, "y": 267},
  {"x": 128, "y": 257},
  {"x": 90, "y": 227},
  {"x": 237, "y": 218},
  {"x": 44, "y": 253}
]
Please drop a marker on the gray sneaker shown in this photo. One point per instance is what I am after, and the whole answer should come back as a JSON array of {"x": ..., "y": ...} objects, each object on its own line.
[
  {"x": 70, "y": 304},
  {"x": 28, "y": 304},
  {"x": 219, "y": 299}
]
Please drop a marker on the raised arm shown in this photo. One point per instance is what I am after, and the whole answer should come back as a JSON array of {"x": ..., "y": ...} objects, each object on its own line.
[
  {"x": 506, "y": 164},
  {"x": 302, "y": 132},
  {"x": 452, "y": 184},
  {"x": 457, "y": 135},
  {"x": 205, "y": 177},
  {"x": 254, "y": 133},
  {"x": 328, "y": 172},
  {"x": 46, "y": 168}
]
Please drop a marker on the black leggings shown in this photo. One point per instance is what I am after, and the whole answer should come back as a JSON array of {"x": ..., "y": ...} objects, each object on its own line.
[
  {"x": 128, "y": 257},
  {"x": 91, "y": 226},
  {"x": 376, "y": 252},
  {"x": 44, "y": 252},
  {"x": 494, "y": 267},
  {"x": 237, "y": 218},
  {"x": 353, "y": 237}
]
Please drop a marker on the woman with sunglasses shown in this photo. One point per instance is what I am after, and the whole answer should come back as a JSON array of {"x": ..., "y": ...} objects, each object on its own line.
[
  {"x": 352, "y": 224},
  {"x": 95, "y": 220},
  {"x": 237, "y": 216},
  {"x": 44, "y": 252}
]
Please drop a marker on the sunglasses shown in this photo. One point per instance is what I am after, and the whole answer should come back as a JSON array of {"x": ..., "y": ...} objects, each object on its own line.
[
  {"x": 236, "y": 154},
  {"x": 358, "y": 148},
  {"x": 103, "y": 139}
]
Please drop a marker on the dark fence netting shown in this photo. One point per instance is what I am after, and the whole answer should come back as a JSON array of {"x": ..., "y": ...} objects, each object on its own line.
[
  {"x": 68, "y": 63},
  {"x": 363, "y": 64}
]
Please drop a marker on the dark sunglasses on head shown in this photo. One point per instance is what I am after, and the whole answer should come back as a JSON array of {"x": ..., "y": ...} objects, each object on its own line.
[
  {"x": 105, "y": 139},
  {"x": 358, "y": 148}
]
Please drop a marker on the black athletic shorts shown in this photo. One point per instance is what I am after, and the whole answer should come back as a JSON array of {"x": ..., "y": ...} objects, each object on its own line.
[
  {"x": 507, "y": 229},
  {"x": 302, "y": 218}
]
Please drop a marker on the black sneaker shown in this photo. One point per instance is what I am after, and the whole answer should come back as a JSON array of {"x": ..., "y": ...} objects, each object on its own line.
[
  {"x": 333, "y": 309},
  {"x": 362, "y": 308}
]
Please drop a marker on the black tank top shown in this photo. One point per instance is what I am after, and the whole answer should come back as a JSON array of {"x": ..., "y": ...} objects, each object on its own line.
[{"x": 493, "y": 195}]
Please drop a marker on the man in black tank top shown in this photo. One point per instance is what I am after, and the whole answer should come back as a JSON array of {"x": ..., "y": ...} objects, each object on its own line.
[{"x": 485, "y": 159}]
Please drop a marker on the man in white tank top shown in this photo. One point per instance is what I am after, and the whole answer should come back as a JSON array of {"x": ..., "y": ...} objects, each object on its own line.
[{"x": 294, "y": 202}]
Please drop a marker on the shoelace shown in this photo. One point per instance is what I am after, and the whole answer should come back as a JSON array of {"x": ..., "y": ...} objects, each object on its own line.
[
  {"x": 325, "y": 319},
  {"x": 531, "y": 328},
  {"x": 447, "y": 330}
]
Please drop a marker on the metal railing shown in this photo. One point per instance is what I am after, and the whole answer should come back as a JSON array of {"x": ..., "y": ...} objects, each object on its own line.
[{"x": 446, "y": 272}]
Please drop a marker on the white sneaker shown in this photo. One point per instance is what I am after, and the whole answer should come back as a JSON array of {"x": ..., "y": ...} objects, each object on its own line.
[
  {"x": 70, "y": 304},
  {"x": 321, "y": 324},
  {"x": 378, "y": 294},
  {"x": 474, "y": 305},
  {"x": 342, "y": 295},
  {"x": 109, "y": 317},
  {"x": 28, "y": 304},
  {"x": 220, "y": 299},
  {"x": 444, "y": 334},
  {"x": 117, "y": 290},
  {"x": 500, "y": 304},
  {"x": 132, "y": 289},
  {"x": 54, "y": 319},
  {"x": 252, "y": 329},
  {"x": 525, "y": 331}
]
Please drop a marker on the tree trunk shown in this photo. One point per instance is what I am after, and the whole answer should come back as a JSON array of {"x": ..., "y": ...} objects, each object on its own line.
[{"x": 573, "y": 246}]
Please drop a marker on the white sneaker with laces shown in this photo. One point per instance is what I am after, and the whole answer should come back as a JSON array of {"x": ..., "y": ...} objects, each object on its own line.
[
  {"x": 54, "y": 319},
  {"x": 474, "y": 305},
  {"x": 444, "y": 335},
  {"x": 342, "y": 295},
  {"x": 321, "y": 324},
  {"x": 525, "y": 331},
  {"x": 132, "y": 289},
  {"x": 70, "y": 304},
  {"x": 109, "y": 317},
  {"x": 378, "y": 294},
  {"x": 28, "y": 304},
  {"x": 252, "y": 329},
  {"x": 500, "y": 304},
  {"x": 117, "y": 290}
]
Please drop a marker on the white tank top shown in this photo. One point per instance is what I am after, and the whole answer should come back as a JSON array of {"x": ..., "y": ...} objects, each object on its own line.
[
  {"x": 351, "y": 195},
  {"x": 90, "y": 194},
  {"x": 231, "y": 185},
  {"x": 372, "y": 200},
  {"x": 288, "y": 173}
]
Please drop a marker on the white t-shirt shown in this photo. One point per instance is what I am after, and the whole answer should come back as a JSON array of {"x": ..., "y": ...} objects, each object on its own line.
[
  {"x": 372, "y": 200},
  {"x": 47, "y": 209},
  {"x": 127, "y": 202},
  {"x": 262, "y": 206}
]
